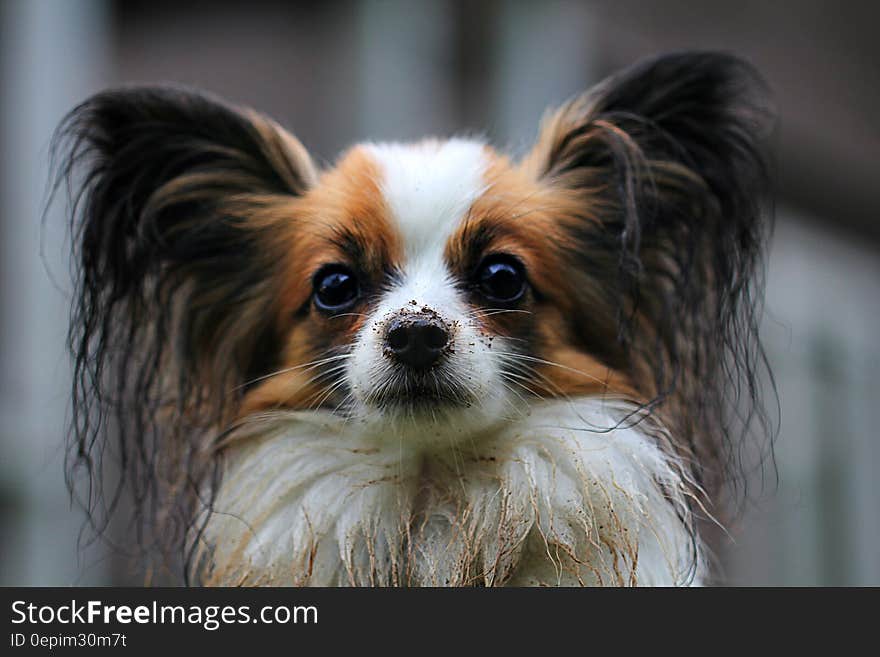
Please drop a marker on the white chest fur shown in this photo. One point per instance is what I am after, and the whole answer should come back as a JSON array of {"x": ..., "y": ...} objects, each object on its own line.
[{"x": 566, "y": 495}]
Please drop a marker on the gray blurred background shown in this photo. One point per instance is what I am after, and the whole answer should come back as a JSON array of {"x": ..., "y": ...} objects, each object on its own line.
[{"x": 338, "y": 72}]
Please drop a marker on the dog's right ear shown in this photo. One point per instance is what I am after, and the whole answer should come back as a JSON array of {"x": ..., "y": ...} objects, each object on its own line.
[
  {"x": 175, "y": 200},
  {"x": 668, "y": 164}
]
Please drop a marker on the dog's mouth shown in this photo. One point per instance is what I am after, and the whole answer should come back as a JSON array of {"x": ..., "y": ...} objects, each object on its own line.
[{"x": 427, "y": 391}]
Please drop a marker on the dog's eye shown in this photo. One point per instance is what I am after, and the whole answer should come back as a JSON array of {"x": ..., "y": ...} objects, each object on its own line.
[
  {"x": 336, "y": 287},
  {"x": 501, "y": 279}
]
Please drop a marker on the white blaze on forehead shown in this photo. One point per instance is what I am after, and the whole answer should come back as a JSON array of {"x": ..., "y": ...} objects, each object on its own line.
[{"x": 429, "y": 188}]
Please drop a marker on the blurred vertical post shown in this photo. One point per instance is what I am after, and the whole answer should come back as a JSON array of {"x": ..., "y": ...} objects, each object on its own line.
[
  {"x": 52, "y": 54},
  {"x": 545, "y": 53},
  {"x": 406, "y": 85}
]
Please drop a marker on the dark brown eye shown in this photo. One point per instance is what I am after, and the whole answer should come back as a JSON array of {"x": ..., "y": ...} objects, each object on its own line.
[
  {"x": 336, "y": 288},
  {"x": 501, "y": 279}
]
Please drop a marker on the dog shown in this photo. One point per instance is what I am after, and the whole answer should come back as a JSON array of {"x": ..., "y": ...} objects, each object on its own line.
[{"x": 431, "y": 364}]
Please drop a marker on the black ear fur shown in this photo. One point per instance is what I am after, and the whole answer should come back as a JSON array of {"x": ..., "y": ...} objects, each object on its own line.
[
  {"x": 670, "y": 159},
  {"x": 173, "y": 281}
]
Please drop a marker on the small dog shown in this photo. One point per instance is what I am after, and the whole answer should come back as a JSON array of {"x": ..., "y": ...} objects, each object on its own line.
[{"x": 431, "y": 364}]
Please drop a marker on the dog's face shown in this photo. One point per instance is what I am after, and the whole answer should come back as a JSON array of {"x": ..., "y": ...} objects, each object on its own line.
[
  {"x": 429, "y": 284},
  {"x": 425, "y": 295}
]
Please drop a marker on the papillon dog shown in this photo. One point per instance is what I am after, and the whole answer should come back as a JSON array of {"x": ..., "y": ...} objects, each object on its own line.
[{"x": 431, "y": 364}]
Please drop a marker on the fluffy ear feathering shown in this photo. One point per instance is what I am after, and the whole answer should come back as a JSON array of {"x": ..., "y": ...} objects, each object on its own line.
[{"x": 429, "y": 364}]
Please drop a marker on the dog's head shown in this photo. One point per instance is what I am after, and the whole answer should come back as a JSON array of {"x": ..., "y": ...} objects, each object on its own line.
[
  {"x": 436, "y": 287},
  {"x": 431, "y": 284}
]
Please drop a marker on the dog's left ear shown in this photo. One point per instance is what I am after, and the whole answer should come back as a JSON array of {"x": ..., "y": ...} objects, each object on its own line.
[
  {"x": 666, "y": 166},
  {"x": 179, "y": 199},
  {"x": 178, "y": 206}
]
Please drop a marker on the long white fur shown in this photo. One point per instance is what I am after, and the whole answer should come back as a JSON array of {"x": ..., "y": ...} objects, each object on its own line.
[
  {"x": 564, "y": 496},
  {"x": 498, "y": 492}
]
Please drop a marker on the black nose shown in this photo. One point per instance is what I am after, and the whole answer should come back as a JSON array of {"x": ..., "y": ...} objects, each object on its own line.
[{"x": 417, "y": 343}]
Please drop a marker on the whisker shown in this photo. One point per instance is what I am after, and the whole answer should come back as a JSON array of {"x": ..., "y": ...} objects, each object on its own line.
[
  {"x": 331, "y": 372},
  {"x": 327, "y": 393},
  {"x": 513, "y": 391},
  {"x": 488, "y": 312},
  {"x": 552, "y": 386},
  {"x": 311, "y": 364},
  {"x": 349, "y": 397},
  {"x": 541, "y": 361}
]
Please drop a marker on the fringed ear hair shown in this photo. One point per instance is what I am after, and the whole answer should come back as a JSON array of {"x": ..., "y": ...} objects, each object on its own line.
[
  {"x": 174, "y": 263},
  {"x": 667, "y": 161}
]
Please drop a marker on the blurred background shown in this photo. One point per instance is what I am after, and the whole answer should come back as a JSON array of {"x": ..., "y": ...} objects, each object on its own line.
[{"x": 343, "y": 71}]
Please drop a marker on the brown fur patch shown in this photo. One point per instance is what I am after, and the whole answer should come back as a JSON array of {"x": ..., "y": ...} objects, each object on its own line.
[
  {"x": 526, "y": 218},
  {"x": 344, "y": 220}
]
